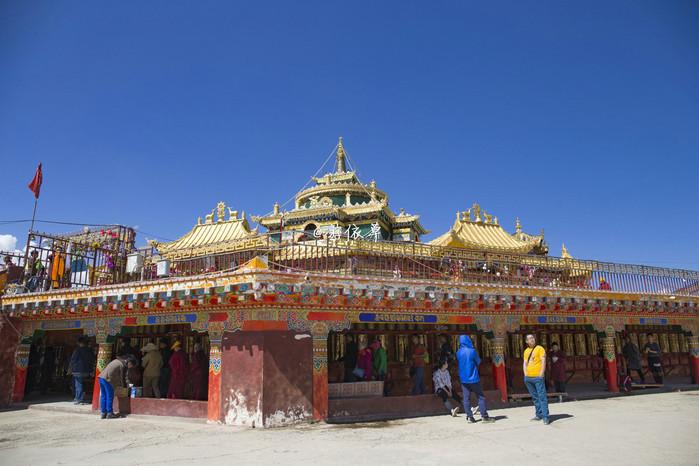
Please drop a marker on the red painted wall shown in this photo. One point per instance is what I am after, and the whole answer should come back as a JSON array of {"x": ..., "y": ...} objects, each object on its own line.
[
  {"x": 9, "y": 339},
  {"x": 266, "y": 378},
  {"x": 288, "y": 378},
  {"x": 242, "y": 357}
]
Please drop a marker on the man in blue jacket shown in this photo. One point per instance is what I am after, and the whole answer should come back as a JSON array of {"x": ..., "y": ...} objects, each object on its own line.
[
  {"x": 82, "y": 363},
  {"x": 468, "y": 359}
]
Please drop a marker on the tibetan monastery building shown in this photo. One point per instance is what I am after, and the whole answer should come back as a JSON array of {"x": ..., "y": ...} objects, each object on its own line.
[{"x": 276, "y": 313}]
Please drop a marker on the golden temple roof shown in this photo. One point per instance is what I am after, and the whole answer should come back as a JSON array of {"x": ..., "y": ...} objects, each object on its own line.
[
  {"x": 210, "y": 232},
  {"x": 476, "y": 229},
  {"x": 342, "y": 195}
]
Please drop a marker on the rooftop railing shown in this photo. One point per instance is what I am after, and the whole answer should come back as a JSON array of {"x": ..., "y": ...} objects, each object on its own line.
[{"x": 370, "y": 259}]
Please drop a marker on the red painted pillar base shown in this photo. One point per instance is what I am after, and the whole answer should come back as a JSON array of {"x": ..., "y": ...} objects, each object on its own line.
[
  {"x": 214, "y": 399},
  {"x": 500, "y": 380},
  {"x": 499, "y": 374},
  {"x": 320, "y": 376},
  {"x": 693, "y": 344},
  {"x": 694, "y": 362},
  {"x": 104, "y": 357},
  {"x": 21, "y": 363},
  {"x": 610, "y": 370},
  {"x": 612, "y": 376},
  {"x": 320, "y": 393}
]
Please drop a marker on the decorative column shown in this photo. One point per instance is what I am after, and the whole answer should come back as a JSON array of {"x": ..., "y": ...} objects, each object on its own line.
[
  {"x": 497, "y": 346},
  {"x": 320, "y": 372},
  {"x": 609, "y": 351},
  {"x": 214, "y": 398},
  {"x": 104, "y": 357},
  {"x": 693, "y": 345},
  {"x": 21, "y": 363}
]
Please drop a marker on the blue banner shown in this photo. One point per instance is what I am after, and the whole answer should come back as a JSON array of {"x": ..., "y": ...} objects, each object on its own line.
[{"x": 397, "y": 318}]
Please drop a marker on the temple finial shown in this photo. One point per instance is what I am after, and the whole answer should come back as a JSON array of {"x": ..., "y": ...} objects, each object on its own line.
[
  {"x": 518, "y": 226},
  {"x": 340, "y": 157},
  {"x": 564, "y": 252}
]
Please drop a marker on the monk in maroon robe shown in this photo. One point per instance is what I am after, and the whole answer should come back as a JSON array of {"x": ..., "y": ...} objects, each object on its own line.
[
  {"x": 178, "y": 372},
  {"x": 199, "y": 373}
]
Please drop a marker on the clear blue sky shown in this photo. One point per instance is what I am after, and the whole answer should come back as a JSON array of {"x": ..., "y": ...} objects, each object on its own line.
[{"x": 579, "y": 117}]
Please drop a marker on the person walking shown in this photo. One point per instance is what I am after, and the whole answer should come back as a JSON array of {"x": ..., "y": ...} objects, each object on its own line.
[
  {"x": 558, "y": 368},
  {"x": 632, "y": 355},
  {"x": 350, "y": 357},
  {"x": 534, "y": 368},
  {"x": 364, "y": 362},
  {"x": 419, "y": 356},
  {"x": 152, "y": 363},
  {"x": 199, "y": 373},
  {"x": 82, "y": 362},
  {"x": 380, "y": 360},
  {"x": 441, "y": 379},
  {"x": 178, "y": 371},
  {"x": 654, "y": 354},
  {"x": 165, "y": 355},
  {"x": 470, "y": 378}
]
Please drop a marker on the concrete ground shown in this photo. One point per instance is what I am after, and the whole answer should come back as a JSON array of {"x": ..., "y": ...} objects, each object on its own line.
[{"x": 646, "y": 429}]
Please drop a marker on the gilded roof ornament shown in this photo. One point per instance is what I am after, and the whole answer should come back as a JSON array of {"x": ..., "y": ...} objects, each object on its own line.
[
  {"x": 340, "y": 157},
  {"x": 221, "y": 210},
  {"x": 210, "y": 217},
  {"x": 564, "y": 252},
  {"x": 477, "y": 212},
  {"x": 518, "y": 226},
  {"x": 221, "y": 234},
  {"x": 275, "y": 208}
]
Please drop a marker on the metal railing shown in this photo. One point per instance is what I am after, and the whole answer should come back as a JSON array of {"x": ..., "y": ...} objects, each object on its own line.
[
  {"x": 73, "y": 260},
  {"x": 398, "y": 260}
]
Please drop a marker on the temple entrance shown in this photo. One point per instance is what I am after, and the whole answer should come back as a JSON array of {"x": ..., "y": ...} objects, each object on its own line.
[
  {"x": 400, "y": 393},
  {"x": 194, "y": 345},
  {"x": 581, "y": 346},
  {"x": 397, "y": 340},
  {"x": 673, "y": 345},
  {"x": 48, "y": 370}
]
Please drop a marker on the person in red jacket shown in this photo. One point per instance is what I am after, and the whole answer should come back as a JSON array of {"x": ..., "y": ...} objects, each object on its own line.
[
  {"x": 178, "y": 371},
  {"x": 558, "y": 367},
  {"x": 365, "y": 361},
  {"x": 199, "y": 373}
]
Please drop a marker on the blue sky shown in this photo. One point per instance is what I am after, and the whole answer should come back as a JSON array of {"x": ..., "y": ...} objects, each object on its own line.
[{"x": 579, "y": 117}]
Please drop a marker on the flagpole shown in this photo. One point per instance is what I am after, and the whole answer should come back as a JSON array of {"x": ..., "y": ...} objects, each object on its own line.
[
  {"x": 29, "y": 234},
  {"x": 36, "y": 201}
]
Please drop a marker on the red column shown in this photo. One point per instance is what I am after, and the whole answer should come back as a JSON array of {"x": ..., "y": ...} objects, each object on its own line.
[
  {"x": 498, "y": 357},
  {"x": 214, "y": 398},
  {"x": 320, "y": 376},
  {"x": 104, "y": 357},
  {"x": 610, "y": 371},
  {"x": 21, "y": 363},
  {"x": 693, "y": 343}
]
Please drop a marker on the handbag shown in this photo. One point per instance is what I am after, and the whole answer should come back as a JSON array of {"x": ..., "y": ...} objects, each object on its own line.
[{"x": 358, "y": 372}]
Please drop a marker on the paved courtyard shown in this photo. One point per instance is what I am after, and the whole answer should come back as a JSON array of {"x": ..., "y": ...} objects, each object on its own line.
[{"x": 645, "y": 429}]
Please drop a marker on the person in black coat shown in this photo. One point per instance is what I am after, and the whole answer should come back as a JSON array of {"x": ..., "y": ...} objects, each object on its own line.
[{"x": 82, "y": 363}]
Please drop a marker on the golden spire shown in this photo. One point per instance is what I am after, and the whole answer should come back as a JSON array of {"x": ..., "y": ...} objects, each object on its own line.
[
  {"x": 518, "y": 226},
  {"x": 564, "y": 252},
  {"x": 221, "y": 210},
  {"x": 477, "y": 212},
  {"x": 340, "y": 157}
]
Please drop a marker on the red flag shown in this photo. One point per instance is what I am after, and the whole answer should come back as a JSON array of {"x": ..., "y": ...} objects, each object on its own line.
[{"x": 35, "y": 185}]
